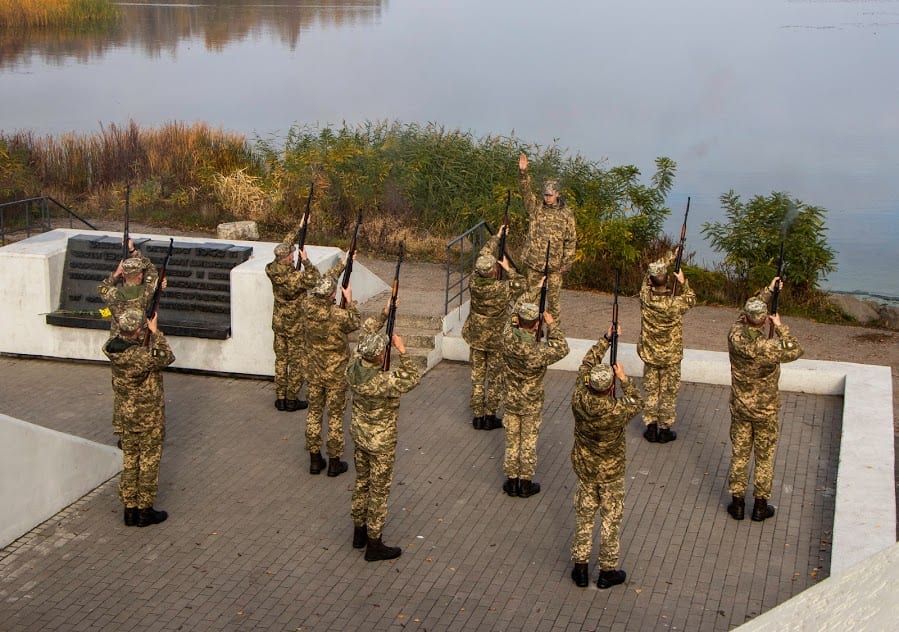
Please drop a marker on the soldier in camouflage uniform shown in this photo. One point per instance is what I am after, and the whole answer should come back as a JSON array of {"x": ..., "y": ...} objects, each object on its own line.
[
  {"x": 139, "y": 411},
  {"x": 755, "y": 363},
  {"x": 138, "y": 278},
  {"x": 549, "y": 221},
  {"x": 376, "y": 403},
  {"x": 661, "y": 346},
  {"x": 327, "y": 326},
  {"x": 526, "y": 360},
  {"x": 489, "y": 313},
  {"x": 289, "y": 286},
  {"x": 598, "y": 458}
]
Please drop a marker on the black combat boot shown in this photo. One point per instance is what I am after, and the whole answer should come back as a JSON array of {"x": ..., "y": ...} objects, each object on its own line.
[
  {"x": 762, "y": 510},
  {"x": 131, "y": 514},
  {"x": 607, "y": 579},
  {"x": 316, "y": 462},
  {"x": 666, "y": 434},
  {"x": 527, "y": 488},
  {"x": 375, "y": 551},
  {"x": 360, "y": 536},
  {"x": 478, "y": 423},
  {"x": 737, "y": 508},
  {"x": 291, "y": 405},
  {"x": 281, "y": 404},
  {"x": 511, "y": 486},
  {"x": 651, "y": 433},
  {"x": 146, "y": 517},
  {"x": 492, "y": 422},
  {"x": 580, "y": 574},
  {"x": 336, "y": 467}
]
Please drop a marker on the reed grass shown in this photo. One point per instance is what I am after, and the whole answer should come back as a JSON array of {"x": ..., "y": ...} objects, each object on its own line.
[{"x": 46, "y": 13}]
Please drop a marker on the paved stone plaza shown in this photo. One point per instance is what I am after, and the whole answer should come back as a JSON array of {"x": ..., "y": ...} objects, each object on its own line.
[{"x": 255, "y": 542}]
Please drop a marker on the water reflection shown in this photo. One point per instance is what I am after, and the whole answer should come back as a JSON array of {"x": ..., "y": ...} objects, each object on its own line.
[{"x": 158, "y": 27}]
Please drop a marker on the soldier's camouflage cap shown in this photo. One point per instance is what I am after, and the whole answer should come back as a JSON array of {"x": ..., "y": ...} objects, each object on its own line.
[
  {"x": 528, "y": 311},
  {"x": 600, "y": 377},
  {"x": 131, "y": 320},
  {"x": 484, "y": 265},
  {"x": 657, "y": 269},
  {"x": 282, "y": 250},
  {"x": 551, "y": 187},
  {"x": 755, "y": 308},
  {"x": 372, "y": 345},
  {"x": 132, "y": 265},
  {"x": 325, "y": 287}
]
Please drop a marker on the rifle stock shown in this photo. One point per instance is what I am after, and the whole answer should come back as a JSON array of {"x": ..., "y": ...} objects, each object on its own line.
[
  {"x": 680, "y": 250},
  {"x": 153, "y": 307},
  {"x": 349, "y": 260},
  {"x": 391, "y": 313},
  {"x": 543, "y": 289}
]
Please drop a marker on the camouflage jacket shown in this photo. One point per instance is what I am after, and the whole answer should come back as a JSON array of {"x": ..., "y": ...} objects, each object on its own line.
[
  {"x": 553, "y": 223},
  {"x": 327, "y": 326},
  {"x": 755, "y": 363},
  {"x": 289, "y": 287},
  {"x": 376, "y": 401},
  {"x": 600, "y": 420},
  {"x": 137, "y": 381},
  {"x": 526, "y": 362},
  {"x": 490, "y": 299},
  {"x": 119, "y": 297},
  {"x": 661, "y": 320}
]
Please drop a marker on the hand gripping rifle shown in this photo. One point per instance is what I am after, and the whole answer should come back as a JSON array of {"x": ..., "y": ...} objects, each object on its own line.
[
  {"x": 680, "y": 250},
  {"x": 613, "y": 342},
  {"x": 125, "y": 236},
  {"x": 391, "y": 313},
  {"x": 542, "y": 306},
  {"x": 301, "y": 240},
  {"x": 153, "y": 307},
  {"x": 775, "y": 293},
  {"x": 502, "y": 236},
  {"x": 349, "y": 260}
]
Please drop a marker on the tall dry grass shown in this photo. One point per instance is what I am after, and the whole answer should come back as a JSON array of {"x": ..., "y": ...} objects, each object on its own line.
[{"x": 44, "y": 13}]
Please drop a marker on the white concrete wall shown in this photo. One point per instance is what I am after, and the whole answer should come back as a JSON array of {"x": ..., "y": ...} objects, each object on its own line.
[
  {"x": 42, "y": 471},
  {"x": 31, "y": 278}
]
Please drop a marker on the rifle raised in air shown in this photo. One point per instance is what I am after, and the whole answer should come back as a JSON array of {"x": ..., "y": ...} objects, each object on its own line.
[
  {"x": 680, "y": 249},
  {"x": 613, "y": 343},
  {"x": 125, "y": 236},
  {"x": 153, "y": 307},
  {"x": 775, "y": 293},
  {"x": 391, "y": 312},
  {"x": 502, "y": 236},
  {"x": 542, "y": 306},
  {"x": 349, "y": 260},
  {"x": 301, "y": 240}
]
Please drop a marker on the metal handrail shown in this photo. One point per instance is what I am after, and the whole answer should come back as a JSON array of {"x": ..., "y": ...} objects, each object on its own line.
[
  {"x": 463, "y": 264},
  {"x": 43, "y": 202}
]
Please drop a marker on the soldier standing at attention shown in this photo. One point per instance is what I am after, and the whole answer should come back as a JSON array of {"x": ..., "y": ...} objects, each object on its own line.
[
  {"x": 755, "y": 361},
  {"x": 526, "y": 360},
  {"x": 549, "y": 221},
  {"x": 489, "y": 313},
  {"x": 289, "y": 286},
  {"x": 376, "y": 404},
  {"x": 598, "y": 458},
  {"x": 661, "y": 346},
  {"x": 139, "y": 409},
  {"x": 327, "y": 326}
]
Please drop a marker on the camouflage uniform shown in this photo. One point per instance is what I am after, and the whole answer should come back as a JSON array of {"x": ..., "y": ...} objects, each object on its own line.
[
  {"x": 118, "y": 298},
  {"x": 526, "y": 361},
  {"x": 139, "y": 409},
  {"x": 547, "y": 223},
  {"x": 482, "y": 331},
  {"x": 327, "y": 326},
  {"x": 661, "y": 346},
  {"x": 376, "y": 403},
  {"x": 598, "y": 458},
  {"x": 755, "y": 400},
  {"x": 289, "y": 287}
]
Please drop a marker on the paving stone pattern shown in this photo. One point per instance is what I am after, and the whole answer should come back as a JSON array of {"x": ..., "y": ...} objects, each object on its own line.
[{"x": 254, "y": 541}]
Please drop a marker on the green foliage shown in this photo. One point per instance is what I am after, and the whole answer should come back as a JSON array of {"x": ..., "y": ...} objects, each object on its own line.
[{"x": 751, "y": 239}]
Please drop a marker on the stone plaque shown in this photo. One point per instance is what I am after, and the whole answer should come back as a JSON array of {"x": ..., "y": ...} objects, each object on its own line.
[{"x": 196, "y": 301}]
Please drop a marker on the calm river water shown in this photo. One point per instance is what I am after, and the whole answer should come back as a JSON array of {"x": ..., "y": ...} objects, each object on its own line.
[{"x": 750, "y": 95}]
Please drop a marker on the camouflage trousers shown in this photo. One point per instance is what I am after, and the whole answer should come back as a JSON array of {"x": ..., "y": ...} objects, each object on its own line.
[
  {"x": 289, "y": 352},
  {"x": 520, "y": 458},
  {"x": 660, "y": 384},
  {"x": 748, "y": 436},
  {"x": 553, "y": 291},
  {"x": 374, "y": 473},
  {"x": 326, "y": 392},
  {"x": 141, "y": 453},
  {"x": 487, "y": 381},
  {"x": 609, "y": 499}
]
